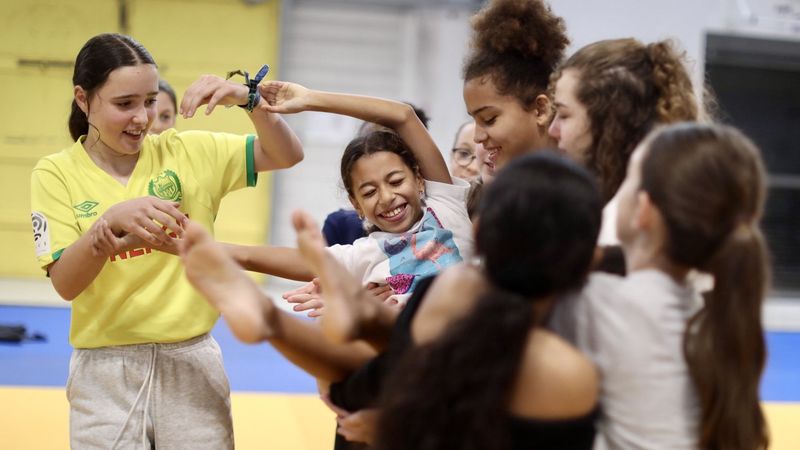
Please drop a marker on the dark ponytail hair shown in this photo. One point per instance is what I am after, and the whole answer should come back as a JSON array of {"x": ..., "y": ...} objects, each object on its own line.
[
  {"x": 518, "y": 43},
  {"x": 539, "y": 222},
  {"x": 708, "y": 184},
  {"x": 99, "y": 57},
  {"x": 627, "y": 88}
]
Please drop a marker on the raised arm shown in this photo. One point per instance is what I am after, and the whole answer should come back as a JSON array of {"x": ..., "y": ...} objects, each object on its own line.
[
  {"x": 277, "y": 147},
  {"x": 286, "y": 98}
]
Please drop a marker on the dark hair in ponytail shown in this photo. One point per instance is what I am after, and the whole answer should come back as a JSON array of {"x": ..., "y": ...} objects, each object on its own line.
[
  {"x": 708, "y": 184},
  {"x": 539, "y": 222},
  {"x": 627, "y": 88},
  {"x": 99, "y": 57}
]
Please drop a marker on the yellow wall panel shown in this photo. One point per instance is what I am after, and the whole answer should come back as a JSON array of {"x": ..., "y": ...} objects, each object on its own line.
[
  {"x": 39, "y": 40},
  {"x": 52, "y": 29}
]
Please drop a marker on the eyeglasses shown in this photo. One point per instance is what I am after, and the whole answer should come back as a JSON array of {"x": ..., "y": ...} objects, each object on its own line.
[{"x": 463, "y": 157}]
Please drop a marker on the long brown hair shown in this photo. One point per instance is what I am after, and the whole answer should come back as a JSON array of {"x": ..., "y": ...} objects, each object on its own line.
[
  {"x": 628, "y": 87},
  {"x": 518, "y": 43},
  {"x": 708, "y": 183}
]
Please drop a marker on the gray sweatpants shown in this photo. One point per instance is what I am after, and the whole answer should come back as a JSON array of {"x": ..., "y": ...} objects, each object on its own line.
[{"x": 164, "y": 396}]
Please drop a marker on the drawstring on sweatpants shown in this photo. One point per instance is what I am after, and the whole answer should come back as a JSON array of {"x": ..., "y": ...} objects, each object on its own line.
[{"x": 148, "y": 382}]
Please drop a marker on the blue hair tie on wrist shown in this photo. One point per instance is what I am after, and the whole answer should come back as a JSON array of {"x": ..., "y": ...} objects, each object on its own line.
[{"x": 252, "y": 85}]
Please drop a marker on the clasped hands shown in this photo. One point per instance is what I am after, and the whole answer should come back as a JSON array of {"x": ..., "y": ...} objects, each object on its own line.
[{"x": 144, "y": 222}]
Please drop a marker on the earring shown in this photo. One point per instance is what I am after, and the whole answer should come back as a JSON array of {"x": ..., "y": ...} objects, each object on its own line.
[{"x": 422, "y": 198}]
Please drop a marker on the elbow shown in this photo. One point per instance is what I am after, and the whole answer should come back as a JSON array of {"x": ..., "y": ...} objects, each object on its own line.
[
  {"x": 65, "y": 293},
  {"x": 406, "y": 114},
  {"x": 297, "y": 156}
]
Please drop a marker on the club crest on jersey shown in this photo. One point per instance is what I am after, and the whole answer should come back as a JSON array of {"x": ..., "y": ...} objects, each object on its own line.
[{"x": 166, "y": 186}]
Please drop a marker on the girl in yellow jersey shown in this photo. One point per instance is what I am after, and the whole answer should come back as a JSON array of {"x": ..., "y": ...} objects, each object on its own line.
[{"x": 105, "y": 211}]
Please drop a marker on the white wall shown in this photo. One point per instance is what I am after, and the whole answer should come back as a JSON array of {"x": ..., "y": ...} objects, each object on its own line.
[
  {"x": 417, "y": 56},
  {"x": 686, "y": 21}
]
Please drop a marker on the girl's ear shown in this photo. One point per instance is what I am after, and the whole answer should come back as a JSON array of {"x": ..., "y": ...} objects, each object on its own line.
[
  {"x": 646, "y": 215},
  {"x": 82, "y": 99},
  {"x": 544, "y": 110},
  {"x": 356, "y": 206},
  {"x": 420, "y": 183}
]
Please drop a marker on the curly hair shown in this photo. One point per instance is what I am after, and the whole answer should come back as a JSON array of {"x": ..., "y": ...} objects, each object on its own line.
[
  {"x": 627, "y": 88},
  {"x": 518, "y": 43}
]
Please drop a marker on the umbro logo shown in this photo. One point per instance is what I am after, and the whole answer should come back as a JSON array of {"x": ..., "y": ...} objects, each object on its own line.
[{"x": 86, "y": 208}]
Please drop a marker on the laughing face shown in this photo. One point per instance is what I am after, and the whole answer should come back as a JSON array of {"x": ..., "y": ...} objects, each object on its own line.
[
  {"x": 386, "y": 191},
  {"x": 121, "y": 111},
  {"x": 504, "y": 128}
]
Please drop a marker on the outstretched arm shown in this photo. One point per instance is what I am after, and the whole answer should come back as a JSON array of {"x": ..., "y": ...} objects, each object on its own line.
[
  {"x": 286, "y": 98},
  {"x": 284, "y": 262},
  {"x": 279, "y": 146}
]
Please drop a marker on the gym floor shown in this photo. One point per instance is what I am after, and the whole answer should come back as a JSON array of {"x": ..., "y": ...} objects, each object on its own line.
[{"x": 275, "y": 405}]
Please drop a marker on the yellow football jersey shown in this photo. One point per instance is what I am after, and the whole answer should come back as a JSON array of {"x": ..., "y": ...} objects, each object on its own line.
[{"x": 142, "y": 295}]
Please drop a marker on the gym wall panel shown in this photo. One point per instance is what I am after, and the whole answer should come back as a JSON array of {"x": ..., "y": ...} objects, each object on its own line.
[{"x": 39, "y": 42}]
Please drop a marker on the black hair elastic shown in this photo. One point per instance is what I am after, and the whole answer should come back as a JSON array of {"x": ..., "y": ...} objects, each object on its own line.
[{"x": 252, "y": 84}]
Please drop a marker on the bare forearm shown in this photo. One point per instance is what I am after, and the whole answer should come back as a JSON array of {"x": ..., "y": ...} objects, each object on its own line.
[
  {"x": 396, "y": 115},
  {"x": 277, "y": 147},
  {"x": 76, "y": 269},
  {"x": 284, "y": 262},
  {"x": 303, "y": 343},
  {"x": 372, "y": 109}
]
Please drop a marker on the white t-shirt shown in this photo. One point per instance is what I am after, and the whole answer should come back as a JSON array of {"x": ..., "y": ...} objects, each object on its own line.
[
  {"x": 632, "y": 328},
  {"x": 443, "y": 237},
  {"x": 608, "y": 228}
]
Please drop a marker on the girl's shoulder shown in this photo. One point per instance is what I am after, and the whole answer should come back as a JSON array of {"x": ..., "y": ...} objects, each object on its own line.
[
  {"x": 555, "y": 380},
  {"x": 451, "y": 295}
]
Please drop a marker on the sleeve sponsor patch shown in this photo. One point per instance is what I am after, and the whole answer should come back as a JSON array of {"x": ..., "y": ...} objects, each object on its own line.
[{"x": 41, "y": 233}]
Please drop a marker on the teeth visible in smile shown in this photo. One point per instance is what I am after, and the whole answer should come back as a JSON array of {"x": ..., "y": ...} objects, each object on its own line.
[
  {"x": 392, "y": 213},
  {"x": 135, "y": 133}
]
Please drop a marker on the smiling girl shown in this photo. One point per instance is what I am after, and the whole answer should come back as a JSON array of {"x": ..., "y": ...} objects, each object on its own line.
[
  {"x": 516, "y": 46},
  {"x": 398, "y": 183},
  {"x": 145, "y": 371}
]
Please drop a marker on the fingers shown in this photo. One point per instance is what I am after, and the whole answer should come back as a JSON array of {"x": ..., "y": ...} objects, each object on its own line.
[
  {"x": 214, "y": 100},
  {"x": 300, "y": 298},
  {"x": 304, "y": 289},
  {"x": 107, "y": 241},
  {"x": 211, "y": 90},
  {"x": 382, "y": 291},
  {"x": 314, "y": 303},
  {"x": 167, "y": 214},
  {"x": 358, "y": 426},
  {"x": 148, "y": 231}
]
